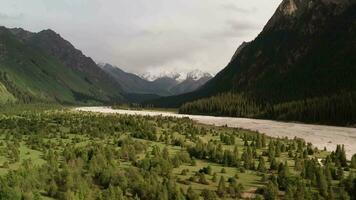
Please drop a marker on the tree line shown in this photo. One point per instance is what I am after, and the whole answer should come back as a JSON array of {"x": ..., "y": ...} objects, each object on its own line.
[{"x": 336, "y": 109}]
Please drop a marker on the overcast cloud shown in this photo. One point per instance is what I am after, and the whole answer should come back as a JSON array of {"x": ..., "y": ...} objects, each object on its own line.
[{"x": 147, "y": 35}]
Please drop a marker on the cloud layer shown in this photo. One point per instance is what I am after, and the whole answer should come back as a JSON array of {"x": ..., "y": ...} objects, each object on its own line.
[{"x": 147, "y": 36}]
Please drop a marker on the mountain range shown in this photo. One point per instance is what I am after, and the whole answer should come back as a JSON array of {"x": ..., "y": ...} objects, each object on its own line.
[
  {"x": 300, "y": 67},
  {"x": 44, "y": 67},
  {"x": 164, "y": 84}
]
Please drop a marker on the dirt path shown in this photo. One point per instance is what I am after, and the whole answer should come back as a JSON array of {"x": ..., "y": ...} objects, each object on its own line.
[{"x": 319, "y": 136}]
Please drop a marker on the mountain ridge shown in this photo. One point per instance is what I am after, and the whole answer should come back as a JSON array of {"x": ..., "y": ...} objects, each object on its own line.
[
  {"x": 303, "y": 54},
  {"x": 164, "y": 84},
  {"x": 45, "y": 67}
]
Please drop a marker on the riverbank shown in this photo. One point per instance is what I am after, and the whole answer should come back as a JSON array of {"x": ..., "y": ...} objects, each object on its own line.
[{"x": 319, "y": 135}]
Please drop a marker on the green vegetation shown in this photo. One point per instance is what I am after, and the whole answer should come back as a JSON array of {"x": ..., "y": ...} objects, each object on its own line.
[
  {"x": 335, "y": 109},
  {"x": 5, "y": 95},
  {"x": 54, "y": 154},
  {"x": 30, "y": 74}
]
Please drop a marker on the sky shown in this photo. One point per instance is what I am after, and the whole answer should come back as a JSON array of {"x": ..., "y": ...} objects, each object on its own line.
[{"x": 147, "y": 36}]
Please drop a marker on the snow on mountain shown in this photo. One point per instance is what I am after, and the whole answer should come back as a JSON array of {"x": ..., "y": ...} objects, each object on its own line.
[
  {"x": 152, "y": 77},
  {"x": 197, "y": 74},
  {"x": 178, "y": 76}
]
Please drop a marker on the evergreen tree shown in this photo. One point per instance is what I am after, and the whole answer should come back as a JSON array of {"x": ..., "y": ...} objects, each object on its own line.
[
  {"x": 221, "y": 187},
  {"x": 353, "y": 162},
  {"x": 261, "y": 165},
  {"x": 271, "y": 191},
  {"x": 191, "y": 194}
]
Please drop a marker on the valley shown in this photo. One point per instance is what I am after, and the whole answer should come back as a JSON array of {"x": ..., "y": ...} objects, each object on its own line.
[
  {"x": 319, "y": 135},
  {"x": 276, "y": 121},
  {"x": 75, "y": 154}
]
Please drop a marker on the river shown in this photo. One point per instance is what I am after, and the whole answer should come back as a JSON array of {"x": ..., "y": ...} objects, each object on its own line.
[{"x": 319, "y": 135}]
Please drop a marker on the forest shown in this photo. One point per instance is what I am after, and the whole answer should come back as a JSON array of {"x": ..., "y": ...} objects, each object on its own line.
[
  {"x": 332, "y": 110},
  {"x": 58, "y": 153}
]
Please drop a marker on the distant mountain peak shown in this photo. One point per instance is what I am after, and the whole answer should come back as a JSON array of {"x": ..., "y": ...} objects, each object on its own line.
[
  {"x": 49, "y": 31},
  {"x": 197, "y": 74},
  {"x": 177, "y": 76},
  {"x": 165, "y": 74},
  {"x": 21, "y": 33}
]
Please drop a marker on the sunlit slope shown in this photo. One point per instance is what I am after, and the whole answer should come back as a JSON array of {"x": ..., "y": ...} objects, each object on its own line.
[{"x": 31, "y": 74}]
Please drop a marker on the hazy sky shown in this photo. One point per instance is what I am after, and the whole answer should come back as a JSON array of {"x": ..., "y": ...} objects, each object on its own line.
[{"x": 147, "y": 35}]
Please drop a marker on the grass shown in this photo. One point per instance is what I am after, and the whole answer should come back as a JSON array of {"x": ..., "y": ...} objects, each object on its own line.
[
  {"x": 62, "y": 138},
  {"x": 46, "y": 78},
  {"x": 26, "y": 153},
  {"x": 5, "y": 96}
]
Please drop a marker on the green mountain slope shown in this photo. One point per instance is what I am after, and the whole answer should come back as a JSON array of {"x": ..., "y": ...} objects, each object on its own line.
[
  {"x": 306, "y": 51},
  {"x": 5, "y": 96},
  {"x": 33, "y": 72}
]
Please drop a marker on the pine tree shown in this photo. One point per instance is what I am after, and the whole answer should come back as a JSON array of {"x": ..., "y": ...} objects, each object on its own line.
[
  {"x": 271, "y": 192},
  {"x": 322, "y": 183},
  {"x": 353, "y": 162},
  {"x": 221, "y": 187},
  {"x": 283, "y": 175},
  {"x": 165, "y": 153},
  {"x": 215, "y": 178},
  {"x": 191, "y": 194},
  {"x": 261, "y": 165},
  {"x": 331, "y": 195}
]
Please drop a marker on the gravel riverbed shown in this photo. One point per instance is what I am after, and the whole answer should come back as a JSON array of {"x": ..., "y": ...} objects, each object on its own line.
[{"x": 319, "y": 135}]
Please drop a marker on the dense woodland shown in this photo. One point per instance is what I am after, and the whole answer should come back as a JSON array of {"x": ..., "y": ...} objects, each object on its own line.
[
  {"x": 70, "y": 155},
  {"x": 335, "y": 109}
]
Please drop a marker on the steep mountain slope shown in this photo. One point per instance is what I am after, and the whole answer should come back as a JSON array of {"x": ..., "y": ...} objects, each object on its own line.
[
  {"x": 306, "y": 51},
  {"x": 5, "y": 95},
  {"x": 45, "y": 67}
]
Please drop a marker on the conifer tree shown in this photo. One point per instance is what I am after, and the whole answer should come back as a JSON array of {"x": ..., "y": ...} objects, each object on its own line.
[
  {"x": 353, "y": 162},
  {"x": 261, "y": 165},
  {"x": 271, "y": 191},
  {"x": 191, "y": 194},
  {"x": 221, "y": 187}
]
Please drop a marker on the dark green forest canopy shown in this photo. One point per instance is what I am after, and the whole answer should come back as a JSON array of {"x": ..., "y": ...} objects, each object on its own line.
[
  {"x": 71, "y": 155},
  {"x": 333, "y": 110}
]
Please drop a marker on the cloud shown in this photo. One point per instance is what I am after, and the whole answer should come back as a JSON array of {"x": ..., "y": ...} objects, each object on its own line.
[
  {"x": 4, "y": 16},
  {"x": 235, "y": 8},
  {"x": 141, "y": 35}
]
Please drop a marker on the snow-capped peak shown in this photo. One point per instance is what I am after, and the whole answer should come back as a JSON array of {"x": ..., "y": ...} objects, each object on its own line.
[
  {"x": 152, "y": 77},
  {"x": 197, "y": 74},
  {"x": 178, "y": 76}
]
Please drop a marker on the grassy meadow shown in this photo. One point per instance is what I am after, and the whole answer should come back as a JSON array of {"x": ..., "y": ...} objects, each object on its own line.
[{"x": 57, "y": 153}]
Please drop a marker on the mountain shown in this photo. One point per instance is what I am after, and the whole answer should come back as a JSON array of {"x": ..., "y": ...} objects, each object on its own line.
[
  {"x": 132, "y": 83},
  {"x": 164, "y": 84},
  {"x": 179, "y": 83},
  {"x": 194, "y": 80},
  {"x": 45, "y": 67},
  {"x": 303, "y": 58},
  {"x": 164, "y": 74}
]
